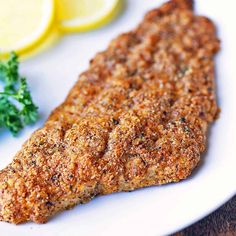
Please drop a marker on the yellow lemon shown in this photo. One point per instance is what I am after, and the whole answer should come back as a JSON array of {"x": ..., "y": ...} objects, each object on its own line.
[
  {"x": 81, "y": 15},
  {"x": 48, "y": 41},
  {"x": 24, "y": 23}
]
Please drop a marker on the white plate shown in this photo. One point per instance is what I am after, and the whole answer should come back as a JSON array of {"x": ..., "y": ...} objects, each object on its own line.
[{"x": 154, "y": 210}]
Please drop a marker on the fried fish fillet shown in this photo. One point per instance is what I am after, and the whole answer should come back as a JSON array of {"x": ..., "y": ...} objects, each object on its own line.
[{"x": 137, "y": 117}]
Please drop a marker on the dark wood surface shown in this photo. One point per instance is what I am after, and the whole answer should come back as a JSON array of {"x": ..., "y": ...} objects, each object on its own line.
[{"x": 220, "y": 223}]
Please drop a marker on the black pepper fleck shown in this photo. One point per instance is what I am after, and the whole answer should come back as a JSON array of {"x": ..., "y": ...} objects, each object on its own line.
[
  {"x": 48, "y": 203},
  {"x": 142, "y": 135},
  {"x": 115, "y": 122},
  {"x": 55, "y": 177},
  {"x": 201, "y": 114},
  {"x": 33, "y": 162},
  {"x": 186, "y": 129},
  {"x": 209, "y": 89}
]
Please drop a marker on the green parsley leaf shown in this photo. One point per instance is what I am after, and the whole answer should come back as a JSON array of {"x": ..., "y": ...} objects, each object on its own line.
[
  {"x": 16, "y": 105},
  {"x": 9, "y": 72},
  {"x": 9, "y": 116},
  {"x": 29, "y": 111}
]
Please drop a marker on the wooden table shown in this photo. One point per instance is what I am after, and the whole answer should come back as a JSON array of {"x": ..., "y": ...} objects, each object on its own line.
[{"x": 222, "y": 222}]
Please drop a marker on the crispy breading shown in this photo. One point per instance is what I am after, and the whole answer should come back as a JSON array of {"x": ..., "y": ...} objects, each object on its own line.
[{"x": 137, "y": 117}]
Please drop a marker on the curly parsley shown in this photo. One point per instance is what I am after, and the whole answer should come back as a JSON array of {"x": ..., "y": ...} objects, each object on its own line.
[{"x": 16, "y": 105}]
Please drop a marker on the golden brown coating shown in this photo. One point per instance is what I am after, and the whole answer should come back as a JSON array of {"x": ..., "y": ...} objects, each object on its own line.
[{"x": 137, "y": 117}]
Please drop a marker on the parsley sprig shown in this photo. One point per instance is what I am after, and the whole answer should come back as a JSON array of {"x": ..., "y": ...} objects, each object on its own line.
[{"x": 16, "y": 105}]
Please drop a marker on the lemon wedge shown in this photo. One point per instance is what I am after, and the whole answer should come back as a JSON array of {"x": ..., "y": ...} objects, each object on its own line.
[
  {"x": 82, "y": 15},
  {"x": 24, "y": 23}
]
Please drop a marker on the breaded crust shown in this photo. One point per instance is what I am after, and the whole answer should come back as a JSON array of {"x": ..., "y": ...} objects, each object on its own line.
[{"x": 137, "y": 117}]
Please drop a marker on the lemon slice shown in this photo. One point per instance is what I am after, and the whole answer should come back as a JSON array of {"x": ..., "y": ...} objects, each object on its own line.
[
  {"x": 48, "y": 41},
  {"x": 24, "y": 23},
  {"x": 81, "y": 15}
]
